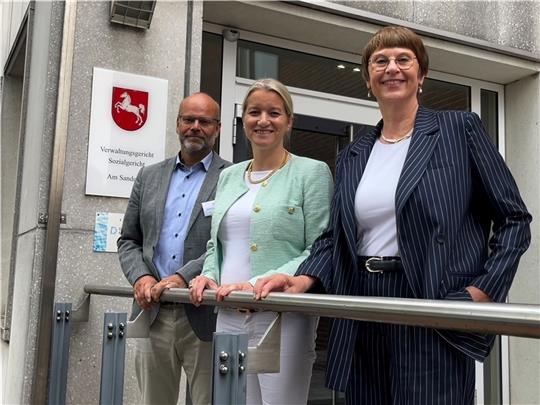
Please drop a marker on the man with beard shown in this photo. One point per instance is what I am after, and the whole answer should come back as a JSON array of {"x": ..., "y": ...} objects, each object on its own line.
[{"x": 162, "y": 246}]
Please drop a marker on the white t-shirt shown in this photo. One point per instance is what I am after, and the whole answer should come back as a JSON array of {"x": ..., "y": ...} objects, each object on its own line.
[
  {"x": 235, "y": 236},
  {"x": 375, "y": 200}
]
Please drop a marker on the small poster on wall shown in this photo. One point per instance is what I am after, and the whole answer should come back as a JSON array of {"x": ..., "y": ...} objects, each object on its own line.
[
  {"x": 107, "y": 231},
  {"x": 128, "y": 125}
]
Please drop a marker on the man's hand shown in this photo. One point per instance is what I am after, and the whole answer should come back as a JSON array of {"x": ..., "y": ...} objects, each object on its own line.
[
  {"x": 477, "y": 294},
  {"x": 142, "y": 291},
  {"x": 172, "y": 281},
  {"x": 283, "y": 283}
]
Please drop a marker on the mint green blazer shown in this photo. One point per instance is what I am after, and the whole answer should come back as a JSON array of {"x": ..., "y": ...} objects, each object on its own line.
[{"x": 288, "y": 214}]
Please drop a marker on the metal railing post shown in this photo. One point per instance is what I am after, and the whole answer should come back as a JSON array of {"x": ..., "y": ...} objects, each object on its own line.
[
  {"x": 60, "y": 354},
  {"x": 230, "y": 368},
  {"x": 112, "y": 359},
  {"x": 493, "y": 375}
]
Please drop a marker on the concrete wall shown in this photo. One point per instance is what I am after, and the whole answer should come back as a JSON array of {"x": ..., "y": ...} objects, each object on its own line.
[
  {"x": 9, "y": 148},
  {"x": 515, "y": 24},
  {"x": 160, "y": 52},
  {"x": 157, "y": 52},
  {"x": 11, "y": 14},
  {"x": 38, "y": 113},
  {"x": 522, "y": 151}
]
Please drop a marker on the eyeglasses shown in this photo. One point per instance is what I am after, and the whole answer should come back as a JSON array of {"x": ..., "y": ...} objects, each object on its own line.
[
  {"x": 204, "y": 122},
  {"x": 381, "y": 62}
]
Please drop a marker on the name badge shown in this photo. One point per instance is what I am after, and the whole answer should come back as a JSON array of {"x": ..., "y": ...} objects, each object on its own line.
[{"x": 208, "y": 208}]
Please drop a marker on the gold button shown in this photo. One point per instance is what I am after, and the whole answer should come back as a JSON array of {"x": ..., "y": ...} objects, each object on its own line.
[
  {"x": 290, "y": 210},
  {"x": 257, "y": 208},
  {"x": 253, "y": 247}
]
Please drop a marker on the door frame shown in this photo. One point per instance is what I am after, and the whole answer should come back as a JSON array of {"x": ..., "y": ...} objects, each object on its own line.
[{"x": 229, "y": 82}]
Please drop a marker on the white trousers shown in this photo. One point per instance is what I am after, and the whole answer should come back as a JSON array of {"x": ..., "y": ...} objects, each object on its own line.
[{"x": 291, "y": 385}]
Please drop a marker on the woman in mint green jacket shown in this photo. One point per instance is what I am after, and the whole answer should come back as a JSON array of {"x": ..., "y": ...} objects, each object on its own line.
[{"x": 268, "y": 212}]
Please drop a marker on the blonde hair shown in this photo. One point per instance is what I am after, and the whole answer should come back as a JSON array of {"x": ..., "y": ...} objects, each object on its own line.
[{"x": 275, "y": 86}]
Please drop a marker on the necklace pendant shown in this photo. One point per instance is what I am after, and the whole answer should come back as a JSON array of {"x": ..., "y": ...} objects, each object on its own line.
[{"x": 264, "y": 183}]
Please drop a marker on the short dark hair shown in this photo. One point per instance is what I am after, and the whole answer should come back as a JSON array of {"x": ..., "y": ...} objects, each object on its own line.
[{"x": 395, "y": 37}]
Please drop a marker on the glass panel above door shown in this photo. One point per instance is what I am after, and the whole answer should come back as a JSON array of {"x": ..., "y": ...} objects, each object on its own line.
[
  {"x": 298, "y": 69},
  {"x": 313, "y": 72}
]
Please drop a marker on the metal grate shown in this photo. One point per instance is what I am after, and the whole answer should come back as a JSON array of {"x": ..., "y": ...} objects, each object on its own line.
[{"x": 133, "y": 13}]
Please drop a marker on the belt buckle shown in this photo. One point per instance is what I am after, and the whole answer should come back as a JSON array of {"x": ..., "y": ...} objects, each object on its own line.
[
  {"x": 244, "y": 311},
  {"x": 373, "y": 259}
]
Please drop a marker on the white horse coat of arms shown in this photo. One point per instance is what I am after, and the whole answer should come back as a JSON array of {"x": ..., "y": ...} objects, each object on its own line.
[{"x": 129, "y": 108}]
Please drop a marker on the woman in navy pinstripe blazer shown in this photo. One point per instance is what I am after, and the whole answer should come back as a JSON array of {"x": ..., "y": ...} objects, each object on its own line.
[{"x": 415, "y": 202}]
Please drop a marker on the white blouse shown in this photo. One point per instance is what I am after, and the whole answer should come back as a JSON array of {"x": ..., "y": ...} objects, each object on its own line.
[
  {"x": 235, "y": 236},
  {"x": 375, "y": 200}
]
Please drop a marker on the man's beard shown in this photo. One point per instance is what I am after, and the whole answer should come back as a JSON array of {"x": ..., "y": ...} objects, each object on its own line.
[{"x": 194, "y": 143}]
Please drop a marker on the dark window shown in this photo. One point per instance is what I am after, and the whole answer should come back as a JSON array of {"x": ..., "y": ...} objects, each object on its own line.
[
  {"x": 211, "y": 65},
  {"x": 439, "y": 95},
  {"x": 490, "y": 113}
]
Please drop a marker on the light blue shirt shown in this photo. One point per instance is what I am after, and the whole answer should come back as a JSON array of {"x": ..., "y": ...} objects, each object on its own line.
[{"x": 184, "y": 188}]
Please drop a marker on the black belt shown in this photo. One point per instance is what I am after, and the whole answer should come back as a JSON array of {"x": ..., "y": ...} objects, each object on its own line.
[{"x": 381, "y": 264}]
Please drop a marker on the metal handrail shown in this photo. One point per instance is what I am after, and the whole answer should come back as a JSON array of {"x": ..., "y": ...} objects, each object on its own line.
[{"x": 502, "y": 319}]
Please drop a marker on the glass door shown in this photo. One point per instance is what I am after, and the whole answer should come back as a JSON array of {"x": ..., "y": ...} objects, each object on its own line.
[
  {"x": 313, "y": 137},
  {"x": 323, "y": 123}
]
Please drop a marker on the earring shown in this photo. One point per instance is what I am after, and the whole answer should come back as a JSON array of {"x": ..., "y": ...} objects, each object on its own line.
[
  {"x": 419, "y": 89},
  {"x": 369, "y": 93}
]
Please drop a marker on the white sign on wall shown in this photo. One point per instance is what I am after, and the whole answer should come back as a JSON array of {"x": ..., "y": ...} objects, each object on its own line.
[{"x": 128, "y": 124}]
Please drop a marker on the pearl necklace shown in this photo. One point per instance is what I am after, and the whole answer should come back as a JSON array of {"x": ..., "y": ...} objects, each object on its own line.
[
  {"x": 264, "y": 180},
  {"x": 407, "y": 135}
]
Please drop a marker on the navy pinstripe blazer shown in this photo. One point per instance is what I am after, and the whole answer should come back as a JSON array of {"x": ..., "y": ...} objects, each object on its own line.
[{"x": 453, "y": 190}]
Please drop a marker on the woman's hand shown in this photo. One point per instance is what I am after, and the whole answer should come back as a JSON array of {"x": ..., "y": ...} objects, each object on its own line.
[
  {"x": 173, "y": 281},
  {"x": 197, "y": 286},
  {"x": 477, "y": 294},
  {"x": 226, "y": 289},
  {"x": 283, "y": 283}
]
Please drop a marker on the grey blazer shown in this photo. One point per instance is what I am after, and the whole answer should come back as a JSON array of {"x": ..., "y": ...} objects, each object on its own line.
[{"x": 142, "y": 226}]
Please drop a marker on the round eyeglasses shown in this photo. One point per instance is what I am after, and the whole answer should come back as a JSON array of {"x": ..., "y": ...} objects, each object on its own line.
[{"x": 381, "y": 62}]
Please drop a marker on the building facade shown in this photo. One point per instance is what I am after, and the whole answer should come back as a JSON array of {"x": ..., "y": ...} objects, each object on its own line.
[{"x": 484, "y": 57}]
